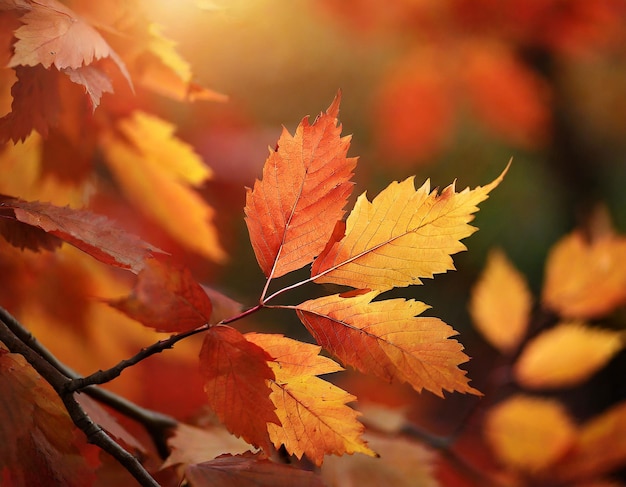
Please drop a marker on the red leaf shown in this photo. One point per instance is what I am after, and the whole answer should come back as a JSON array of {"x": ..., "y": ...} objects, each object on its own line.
[
  {"x": 248, "y": 471},
  {"x": 36, "y": 104},
  {"x": 236, "y": 374},
  {"x": 167, "y": 299},
  {"x": 40, "y": 445},
  {"x": 94, "y": 234},
  {"x": 292, "y": 211}
]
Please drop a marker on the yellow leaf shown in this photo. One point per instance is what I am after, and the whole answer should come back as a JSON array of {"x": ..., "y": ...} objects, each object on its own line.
[
  {"x": 386, "y": 339},
  {"x": 501, "y": 303},
  {"x": 401, "y": 236},
  {"x": 586, "y": 276},
  {"x": 315, "y": 418},
  {"x": 529, "y": 434},
  {"x": 156, "y": 170},
  {"x": 566, "y": 355}
]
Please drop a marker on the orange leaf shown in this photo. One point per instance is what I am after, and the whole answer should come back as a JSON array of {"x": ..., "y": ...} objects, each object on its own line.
[
  {"x": 95, "y": 82},
  {"x": 40, "y": 444},
  {"x": 156, "y": 170},
  {"x": 292, "y": 211},
  {"x": 401, "y": 236},
  {"x": 566, "y": 355},
  {"x": 315, "y": 418},
  {"x": 53, "y": 34},
  {"x": 236, "y": 372},
  {"x": 586, "y": 277},
  {"x": 501, "y": 303},
  {"x": 249, "y": 471},
  {"x": 600, "y": 447},
  {"x": 529, "y": 434},
  {"x": 386, "y": 339},
  {"x": 91, "y": 233},
  {"x": 167, "y": 299}
]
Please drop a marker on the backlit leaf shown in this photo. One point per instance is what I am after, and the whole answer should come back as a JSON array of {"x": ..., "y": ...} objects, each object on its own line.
[
  {"x": 586, "y": 277},
  {"x": 388, "y": 340},
  {"x": 315, "y": 420},
  {"x": 566, "y": 355},
  {"x": 292, "y": 210},
  {"x": 401, "y": 236},
  {"x": 501, "y": 303},
  {"x": 40, "y": 444},
  {"x": 529, "y": 434},
  {"x": 236, "y": 375},
  {"x": 167, "y": 299},
  {"x": 248, "y": 471},
  {"x": 91, "y": 233},
  {"x": 156, "y": 170},
  {"x": 53, "y": 34},
  {"x": 95, "y": 82}
]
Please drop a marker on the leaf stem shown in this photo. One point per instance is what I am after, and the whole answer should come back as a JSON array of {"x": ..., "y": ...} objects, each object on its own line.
[{"x": 288, "y": 288}]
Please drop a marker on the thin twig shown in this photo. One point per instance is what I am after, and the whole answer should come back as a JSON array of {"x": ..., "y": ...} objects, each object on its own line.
[{"x": 80, "y": 418}]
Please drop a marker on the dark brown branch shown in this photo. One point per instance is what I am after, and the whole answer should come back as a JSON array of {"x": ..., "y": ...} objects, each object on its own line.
[{"x": 59, "y": 381}]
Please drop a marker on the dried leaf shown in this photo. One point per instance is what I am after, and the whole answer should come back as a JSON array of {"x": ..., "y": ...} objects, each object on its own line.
[
  {"x": 292, "y": 211},
  {"x": 566, "y": 355},
  {"x": 501, "y": 303},
  {"x": 95, "y": 82},
  {"x": 248, "y": 471},
  {"x": 401, "y": 236},
  {"x": 402, "y": 463},
  {"x": 166, "y": 298},
  {"x": 236, "y": 376},
  {"x": 529, "y": 434},
  {"x": 190, "y": 445},
  {"x": 313, "y": 413},
  {"x": 386, "y": 339},
  {"x": 91, "y": 233},
  {"x": 155, "y": 170}
]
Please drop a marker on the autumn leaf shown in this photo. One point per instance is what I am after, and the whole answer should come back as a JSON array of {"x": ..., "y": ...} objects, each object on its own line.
[
  {"x": 401, "y": 236},
  {"x": 292, "y": 211},
  {"x": 36, "y": 104},
  {"x": 93, "y": 80},
  {"x": 529, "y": 434},
  {"x": 167, "y": 299},
  {"x": 600, "y": 447},
  {"x": 156, "y": 169},
  {"x": 190, "y": 445},
  {"x": 566, "y": 355},
  {"x": 236, "y": 375},
  {"x": 53, "y": 34},
  {"x": 402, "y": 463},
  {"x": 91, "y": 233},
  {"x": 40, "y": 444},
  {"x": 388, "y": 340},
  {"x": 585, "y": 275},
  {"x": 314, "y": 418},
  {"x": 501, "y": 303},
  {"x": 248, "y": 471}
]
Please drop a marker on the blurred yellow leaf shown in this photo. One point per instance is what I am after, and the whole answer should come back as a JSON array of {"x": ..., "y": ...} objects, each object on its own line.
[
  {"x": 501, "y": 303},
  {"x": 586, "y": 277},
  {"x": 566, "y": 355},
  {"x": 156, "y": 170},
  {"x": 529, "y": 434},
  {"x": 600, "y": 447}
]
